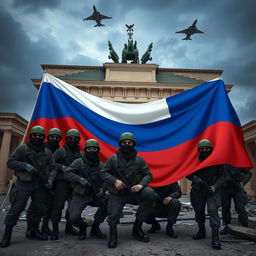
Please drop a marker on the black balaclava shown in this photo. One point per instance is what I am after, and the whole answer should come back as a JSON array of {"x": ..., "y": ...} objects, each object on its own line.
[
  {"x": 91, "y": 155},
  {"x": 127, "y": 148},
  {"x": 37, "y": 141},
  {"x": 73, "y": 143},
  {"x": 203, "y": 155}
]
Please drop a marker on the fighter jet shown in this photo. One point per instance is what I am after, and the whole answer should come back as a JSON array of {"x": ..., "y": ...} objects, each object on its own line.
[
  {"x": 97, "y": 17},
  {"x": 190, "y": 31}
]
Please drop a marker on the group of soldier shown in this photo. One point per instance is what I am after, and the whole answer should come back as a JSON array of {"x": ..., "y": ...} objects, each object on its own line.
[{"x": 51, "y": 175}]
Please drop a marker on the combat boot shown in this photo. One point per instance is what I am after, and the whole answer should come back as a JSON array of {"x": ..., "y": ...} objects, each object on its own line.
[
  {"x": 70, "y": 230},
  {"x": 55, "y": 231},
  {"x": 224, "y": 231},
  {"x": 45, "y": 227},
  {"x": 96, "y": 232},
  {"x": 35, "y": 234},
  {"x": 137, "y": 232},
  {"x": 201, "y": 234},
  {"x": 82, "y": 231},
  {"x": 5, "y": 242},
  {"x": 169, "y": 231},
  {"x": 155, "y": 227},
  {"x": 215, "y": 239},
  {"x": 112, "y": 243}
]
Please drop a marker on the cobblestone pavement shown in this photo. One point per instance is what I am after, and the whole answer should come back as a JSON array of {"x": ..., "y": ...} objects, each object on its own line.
[{"x": 159, "y": 243}]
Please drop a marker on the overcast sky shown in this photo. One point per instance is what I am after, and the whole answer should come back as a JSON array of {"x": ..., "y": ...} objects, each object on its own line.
[{"x": 35, "y": 32}]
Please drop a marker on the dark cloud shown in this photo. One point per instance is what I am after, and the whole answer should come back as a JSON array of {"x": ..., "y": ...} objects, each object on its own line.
[{"x": 35, "y": 6}]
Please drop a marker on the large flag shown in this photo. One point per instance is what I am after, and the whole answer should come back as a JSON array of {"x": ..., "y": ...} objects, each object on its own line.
[{"x": 167, "y": 131}]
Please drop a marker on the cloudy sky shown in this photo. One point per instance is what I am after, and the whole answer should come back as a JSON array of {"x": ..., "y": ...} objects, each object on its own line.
[{"x": 35, "y": 32}]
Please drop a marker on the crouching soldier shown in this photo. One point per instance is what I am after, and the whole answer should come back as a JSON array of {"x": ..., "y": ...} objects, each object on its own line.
[
  {"x": 127, "y": 176},
  {"x": 35, "y": 170},
  {"x": 88, "y": 189},
  {"x": 167, "y": 206},
  {"x": 233, "y": 189}
]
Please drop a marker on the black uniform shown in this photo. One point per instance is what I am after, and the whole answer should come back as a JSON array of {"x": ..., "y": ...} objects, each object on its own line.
[
  {"x": 233, "y": 189},
  {"x": 131, "y": 169},
  {"x": 201, "y": 195},
  {"x": 90, "y": 192},
  {"x": 170, "y": 211},
  {"x": 63, "y": 157}
]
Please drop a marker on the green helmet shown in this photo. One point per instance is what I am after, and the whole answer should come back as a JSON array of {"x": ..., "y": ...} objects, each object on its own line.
[
  {"x": 127, "y": 136},
  {"x": 73, "y": 132},
  {"x": 55, "y": 131},
  {"x": 204, "y": 143},
  {"x": 37, "y": 129},
  {"x": 91, "y": 143}
]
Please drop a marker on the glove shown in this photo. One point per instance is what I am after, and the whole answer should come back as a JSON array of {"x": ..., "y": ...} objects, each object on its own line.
[
  {"x": 100, "y": 193},
  {"x": 49, "y": 184},
  {"x": 241, "y": 184},
  {"x": 30, "y": 168},
  {"x": 197, "y": 180},
  {"x": 63, "y": 168},
  {"x": 84, "y": 182}
]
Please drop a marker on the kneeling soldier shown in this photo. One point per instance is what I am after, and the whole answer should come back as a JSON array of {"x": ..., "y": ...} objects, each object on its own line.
[
  {"x": 127, "y": 176},
  {"x": 88, "y": 189}
]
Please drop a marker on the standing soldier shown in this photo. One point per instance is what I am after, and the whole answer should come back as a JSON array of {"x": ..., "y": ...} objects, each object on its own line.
[
  {"x": 167, "y": 206},
  {"x": 54, "y": 138},
  {"x": 127, "y": 176},
  {"x": 233, "y": 188},
  {"x": 88, "y": 189},
  {"x": 63, "y": 157},
  {"x": 206, "y": 184},
  {"x": 35, "y": 170}
]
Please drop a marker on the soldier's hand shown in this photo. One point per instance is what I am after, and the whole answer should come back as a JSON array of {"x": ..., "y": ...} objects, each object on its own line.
[
  {"x": 212, "y": 188},
  {"x": 49, "y": 184},
  {"x": 119, "y": 184},
  {"x": 167, "y": 200},
  {"x": 84, "y": 182},
  {"x": 100, "y": 194},
  {"x": 30, "y": 168},
  {"x": 241, "y": 184},
  {"x": 136, "y": 188}
]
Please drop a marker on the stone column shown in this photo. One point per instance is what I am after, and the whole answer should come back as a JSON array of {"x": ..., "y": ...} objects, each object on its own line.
[{"x": 4, "y": 154}]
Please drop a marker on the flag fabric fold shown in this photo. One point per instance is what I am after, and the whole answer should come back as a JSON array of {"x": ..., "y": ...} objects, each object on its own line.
[{"x": 167, "y": 131}]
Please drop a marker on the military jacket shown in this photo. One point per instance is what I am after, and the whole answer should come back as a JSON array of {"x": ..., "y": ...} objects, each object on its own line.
[
  {"x": 64, "y": 157},
  {"x": 133, "y": 172},
  {"x": 173, "y": 190},
  {"x": 212, "y": 175},
  {"x": 81, "y": 168},
  {"x": 26, "y": 155}
]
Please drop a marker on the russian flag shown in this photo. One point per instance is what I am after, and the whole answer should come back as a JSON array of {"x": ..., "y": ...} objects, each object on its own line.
[{"x": 167, "y": 131}]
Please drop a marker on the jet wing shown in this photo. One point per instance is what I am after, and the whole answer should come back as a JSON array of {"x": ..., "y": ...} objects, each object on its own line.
[
  {"x": 104, "y": 17},
  {"x": 92, "y": 17},
  {"x": 185, "y": 31},
  {"x": 197, "y": 31}
]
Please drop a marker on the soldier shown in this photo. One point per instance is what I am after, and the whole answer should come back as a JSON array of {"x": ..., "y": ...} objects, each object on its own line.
[
  {"x": 63, "y": 157},
  {"x": 167, "y": 206},
  {"x": 88, "y": 189},
  {"x": 53, "y": 140},
  {"x": 34, "y": 167},
  {"x": 233, "y": 189},
  {"x": 206, "y": 184},
  {"x": 127, "y": 176}
]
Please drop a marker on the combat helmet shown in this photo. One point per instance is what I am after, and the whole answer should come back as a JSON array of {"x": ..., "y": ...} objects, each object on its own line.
[
  {"x": 73, "y": 132},
  {"x": 127, "y": 136},
  {"x": 204, "y": 143},
  {"x": 55, "y": 131},
  {"x": 91, "y": 143},
  {"x": 37, "y": 129}
]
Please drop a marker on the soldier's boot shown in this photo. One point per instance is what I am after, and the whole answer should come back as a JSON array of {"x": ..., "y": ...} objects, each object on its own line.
[
  {"x": 112, "y": 242},
  {"x": 35, "y": 234},
  {"x": 155, "y": 227},
  {"x": 5, "y": 242},
  {"x": 70, "y": 230},
  {"x": 201, "y": 234},
  {"x": 55, "y": 231},
  {"x": 224, "y": 231},
  {"x": 28, "y": 229},
  {"x": 96, "y": 232},
  {"x": 45, "y": 227},
  {"x": 215, "y": 239},
  {"x": 137, "y": 232},
  {"x": 169, "y": 231},
  {"x": 82, "y": 231}
]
